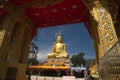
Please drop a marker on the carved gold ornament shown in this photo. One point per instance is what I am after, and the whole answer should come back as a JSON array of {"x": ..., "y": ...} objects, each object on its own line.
[
  {"x": 2, "y": 33},
  {"x": 105, "y": 26}
]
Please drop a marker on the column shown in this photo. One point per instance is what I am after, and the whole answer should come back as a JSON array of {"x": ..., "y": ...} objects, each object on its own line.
[
  {"x": 16, "y": 42},
  {"x": 106, "y": 30},
  {"x": 25, "y": 45},
  {"x": 6, "y": 31},
  {"x": 105, "y": 27},
  {"x": 24, "y": 51}
]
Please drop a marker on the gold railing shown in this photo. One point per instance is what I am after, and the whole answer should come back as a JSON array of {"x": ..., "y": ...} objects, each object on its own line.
[{"x": 110, "y": 63}]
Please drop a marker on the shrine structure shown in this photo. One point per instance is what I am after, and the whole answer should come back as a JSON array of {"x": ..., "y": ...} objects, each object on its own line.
[
  {"x": 20, "y": 19},
  {"x": 57, "y": 61}
]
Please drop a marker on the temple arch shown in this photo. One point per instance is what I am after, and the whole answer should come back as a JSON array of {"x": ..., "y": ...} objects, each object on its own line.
[{"x": 101, "y": 18}]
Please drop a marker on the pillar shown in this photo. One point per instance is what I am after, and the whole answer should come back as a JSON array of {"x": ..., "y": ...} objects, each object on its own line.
[
  {"x": 15, "y": 38},
  {"x": 6, "y": 31},
  {"x": 15, "y": 51},
  {"x": 106, "y": 29},
  {"x": 104, "y": 25},
  {"x": 16, "y": 42}
]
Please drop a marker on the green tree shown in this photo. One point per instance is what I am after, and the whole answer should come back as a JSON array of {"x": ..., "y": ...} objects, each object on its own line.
[
  {"x": 32, "y": 59},
  {"x": 78, "y": 60},
  {"x": 33, "y": 50}
]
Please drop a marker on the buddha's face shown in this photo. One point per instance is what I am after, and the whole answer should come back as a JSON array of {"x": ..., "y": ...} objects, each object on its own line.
[{"x": 59, "y": 39}]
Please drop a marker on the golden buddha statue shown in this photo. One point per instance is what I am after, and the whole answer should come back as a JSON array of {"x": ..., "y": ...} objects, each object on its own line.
[{"x": 59, "y": 49}]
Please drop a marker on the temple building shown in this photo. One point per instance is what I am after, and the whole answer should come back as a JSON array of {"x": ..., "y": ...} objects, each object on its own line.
[{"x": 19, "y": 20}]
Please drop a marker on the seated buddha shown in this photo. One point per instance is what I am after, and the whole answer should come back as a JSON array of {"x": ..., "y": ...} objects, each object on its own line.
[{"x": 59, "y": 49}]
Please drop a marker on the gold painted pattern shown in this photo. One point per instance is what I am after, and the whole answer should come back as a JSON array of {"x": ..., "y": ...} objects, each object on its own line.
[
  {"x": 2, "y": 33},
  {"x": 106, "y": 27}
]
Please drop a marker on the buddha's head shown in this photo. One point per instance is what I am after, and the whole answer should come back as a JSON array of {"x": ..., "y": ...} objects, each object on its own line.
[{"x": 59, "y": 38}]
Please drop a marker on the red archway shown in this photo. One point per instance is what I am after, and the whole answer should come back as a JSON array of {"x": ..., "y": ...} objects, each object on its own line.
[{"x": 63, "y": 12}]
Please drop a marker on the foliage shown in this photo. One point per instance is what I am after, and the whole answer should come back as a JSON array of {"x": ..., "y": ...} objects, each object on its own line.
[
  {"x": 78, "y": 60},
  {"x": 33, "y": 50},
  {"x": 32, "y": 59}
]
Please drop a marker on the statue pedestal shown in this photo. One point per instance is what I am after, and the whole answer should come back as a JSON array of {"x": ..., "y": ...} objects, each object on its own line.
[
  {"x": 57, "y": 62},
  {"x": 54, "y": 67}
]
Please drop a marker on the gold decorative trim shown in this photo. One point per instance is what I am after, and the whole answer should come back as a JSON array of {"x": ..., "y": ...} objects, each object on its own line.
[
  {"x": 106, "y": 27},
  {"x": 2, "y": 33}
]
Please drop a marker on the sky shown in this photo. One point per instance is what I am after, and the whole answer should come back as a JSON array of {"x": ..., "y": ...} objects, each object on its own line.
[{"x": 75, "y": 36}]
